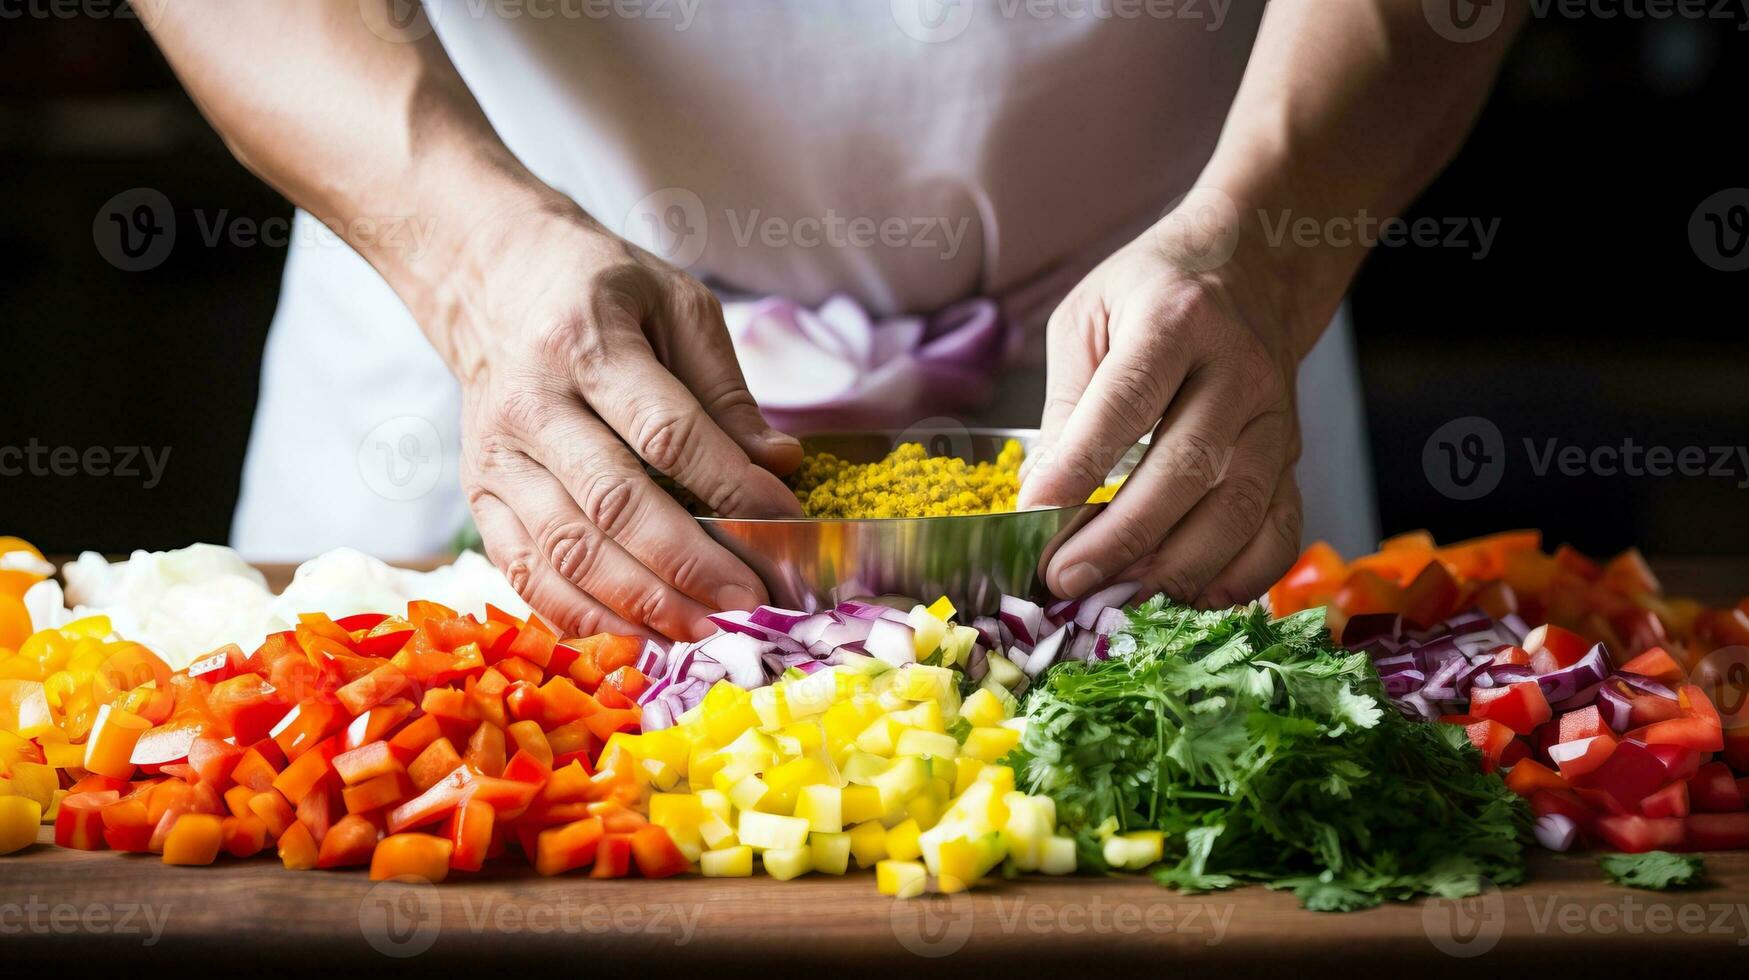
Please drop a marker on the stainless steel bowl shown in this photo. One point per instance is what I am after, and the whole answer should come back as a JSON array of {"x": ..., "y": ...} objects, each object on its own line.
[{"x": 810, "y": 563}]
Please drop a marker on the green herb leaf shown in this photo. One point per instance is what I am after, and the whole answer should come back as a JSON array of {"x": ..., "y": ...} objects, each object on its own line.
[
  {"x": 1266, "y": 755},
  {"x": 1655, "y": 870}
]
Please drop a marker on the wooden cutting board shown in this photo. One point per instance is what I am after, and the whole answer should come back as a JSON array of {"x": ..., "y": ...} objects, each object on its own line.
[{"x": 92, "y": 907}]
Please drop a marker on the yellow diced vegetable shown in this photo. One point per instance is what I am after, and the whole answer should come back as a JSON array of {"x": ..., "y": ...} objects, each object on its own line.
[
  {"x": 901, "y": 879},
  {"x": 729, "y": 862}
]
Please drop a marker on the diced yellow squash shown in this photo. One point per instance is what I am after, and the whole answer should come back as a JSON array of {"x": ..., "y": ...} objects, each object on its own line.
[
  {"x": 859, "y": 803},
  {"x": 678, "y": 813},
  {"x": 822, "y": 806},
  {"x": 901, "y": 879},
  {"x": 1058, "y": 857},
  {"x": 937, "y": 745},
  {"x": 787, "y": 780},
  {"x": 925, "y": 810},
  {"x": 902, "y": 841},
  {"x": 729, "y": 862},
  {"x": 660, "y": 775},
  {"x": 928, "y": 631},
  {"x": 962, "y": 861},
  {"x": 901, "y": 781},
  {"x": 868, "y": 843},
  {"x": 942, "y": 609},
  {"x": 983, "y": 709},
  {"x": 20, "y": 816},
  {"x": 771, "y": 706},
  {"x": 747, "y": 792},
  {"x": 715, "y": 801},
  {"x": 1001, "y": 778},
  {"x": 716, "y": 832},
  {"x": 965, "y": 772},
  {"x": 802, "y": 738},
  {"x": 1135, "y": 850},
  {"x": 926, "y": 715},
  {"x": 726, "y": 711},
  {"x": 862, "y": 768},
  {"x": 923, "y": 683},
  {"x": 878, "y": 738},
  {"x": 788, "y": 862},
  {"x": 770, "y": 831},
  {"x": 831, "y": 852},
  {"x": 990, "y": 744}
]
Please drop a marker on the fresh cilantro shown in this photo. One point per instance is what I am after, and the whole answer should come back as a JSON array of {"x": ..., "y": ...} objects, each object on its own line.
[
  {"x": 1266, "y": 755},
  {"x": 1655, "y": 870}
]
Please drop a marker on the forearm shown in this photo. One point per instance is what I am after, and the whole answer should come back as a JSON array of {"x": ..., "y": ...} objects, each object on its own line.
[
  {"x": 361, "y": 131},
  {"x": 1347, "y": 110}
]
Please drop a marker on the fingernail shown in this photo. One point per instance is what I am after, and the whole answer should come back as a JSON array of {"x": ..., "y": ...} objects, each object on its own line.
[
  {"x": 736, "y": 597},
  {"x": 1079, "y": 579}
]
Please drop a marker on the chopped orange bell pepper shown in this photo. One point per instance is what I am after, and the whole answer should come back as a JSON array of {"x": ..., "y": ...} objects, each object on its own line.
[{"x": 422, "y": 856}]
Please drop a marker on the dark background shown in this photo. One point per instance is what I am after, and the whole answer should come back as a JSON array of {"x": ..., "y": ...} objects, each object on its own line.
[{"x": 1592, "y": 319}]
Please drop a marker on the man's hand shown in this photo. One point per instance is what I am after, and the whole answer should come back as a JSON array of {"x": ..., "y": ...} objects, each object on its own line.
[
  {"x": 1156, "y": 341},
  {"x": 586, "y": 359}
]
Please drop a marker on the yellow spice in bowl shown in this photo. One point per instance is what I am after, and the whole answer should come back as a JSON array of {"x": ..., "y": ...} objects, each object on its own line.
[{"x": 908, "y": 483}]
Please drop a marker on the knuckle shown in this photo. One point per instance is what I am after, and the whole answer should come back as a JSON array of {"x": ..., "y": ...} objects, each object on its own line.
[
  {"x": 1134, "y": 398},
  {"x": 1178, "y": 582},
  {"x": 1197, "y": 457},
  {"x": 686, "y": 574},
  {"x": 650, "y": 606},
  {"x": 519, "y": 572},
  {"x": 731, "y": 497},
  {"x": 1244, "y": 500},
  {"x": 609, "y": 499},
  {"x": 570, "y": 548},
  {"x": 522, "y": 410},
  {"x": 663, "y": 438},
  {"x": 1134, "y": 539}
]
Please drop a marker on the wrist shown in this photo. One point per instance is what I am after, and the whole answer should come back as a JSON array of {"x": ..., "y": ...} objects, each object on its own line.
[{"x": 1283, "y": 254}]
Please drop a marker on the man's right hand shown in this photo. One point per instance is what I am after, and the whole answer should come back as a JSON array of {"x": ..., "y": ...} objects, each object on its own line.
[{"x": 582, "y": 358}]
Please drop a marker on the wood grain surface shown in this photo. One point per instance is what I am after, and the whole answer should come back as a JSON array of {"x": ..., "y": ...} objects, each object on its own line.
[
  {"x": 100, "y": 906},
  {"x": 61, "y": 907}
]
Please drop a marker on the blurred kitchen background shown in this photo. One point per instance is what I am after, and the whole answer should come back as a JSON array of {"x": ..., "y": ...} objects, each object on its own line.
[{"x": 1592, "y": 318}]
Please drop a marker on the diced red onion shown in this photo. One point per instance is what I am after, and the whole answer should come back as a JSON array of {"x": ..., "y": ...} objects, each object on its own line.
[
  {"x": 860, "y": 610},
  {"x": 1046, "y": 652},
  {"x": 1556, "y": 831},
  {"x": 1615, "y": 708},
  {"x": 1403, "y": 683},
  {"x": 1022, "y": 618},
  {"x": 1646, "y": 685},
  {"x": 778, "y": 620},
  {"x": 740, "y": 656},
  {"x": 892, "y": 643},
  {"x": 989, "y": 631},
  {"x": 655, "y": 717},
  {"x": 1566, "y": 683},
  {"x": 1099, "y": 602}
]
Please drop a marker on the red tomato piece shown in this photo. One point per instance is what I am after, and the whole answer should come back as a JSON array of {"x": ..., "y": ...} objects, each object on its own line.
[
  {"x": 1671, "y": 801},
  {"x": 1579, "y": 723},
  {"x": 1714, "y": 789},
  {"x": 1713, "y": 831},
  {"x": 1578, "y": 758},
  {"x": 1520, "y": 707},
  {"x": 1630, "y": 774},
  {"x": 1564, "y": 646},
  {"x": 1636, "y": 835}
]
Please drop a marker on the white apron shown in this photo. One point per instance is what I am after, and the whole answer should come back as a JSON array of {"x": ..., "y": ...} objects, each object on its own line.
[{"x": 1003, "y": 146}]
